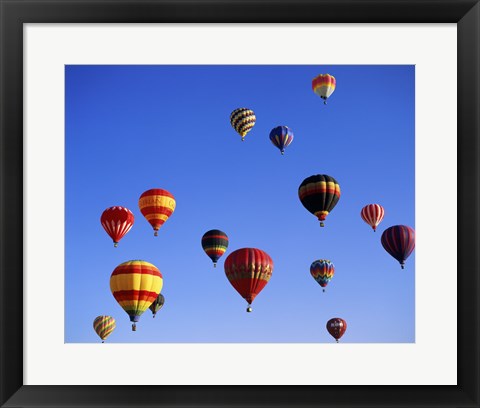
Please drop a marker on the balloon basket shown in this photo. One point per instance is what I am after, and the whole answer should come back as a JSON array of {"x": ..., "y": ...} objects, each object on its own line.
[
  {"x": 214, "y": 265},
  {"x": 115, "y": 244},
  {"x": 249, "y": 309},
  {"x": 134, "y": 327},
  {"x": 322, "y": 224},
  {"x": 323, "y": 290},
  {"x": 155, "y": 234}
]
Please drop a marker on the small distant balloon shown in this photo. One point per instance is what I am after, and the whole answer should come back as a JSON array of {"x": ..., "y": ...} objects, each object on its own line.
[
  {"x": 336, "y": 327},
  {"x": 157, "y": 304},
  {"x": 156, "y": 205},
  {"x": 322, "y": 271},
  {"x": 319, "y": 194},
  {"x": 117, "y": 221},
  {"x": 373, "y": 215},
  {"x": 324, "y": 85},
  {"x": 399, "y": 242},
  {"x": 214, "y": 243},
  {"x": 242, "y": 120},
  {"x": 104, "y": 326},
  {"x": 281, "y": 137}
]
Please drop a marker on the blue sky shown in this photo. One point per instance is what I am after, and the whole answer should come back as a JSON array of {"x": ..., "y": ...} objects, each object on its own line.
[{"x": 132, "y": 128}]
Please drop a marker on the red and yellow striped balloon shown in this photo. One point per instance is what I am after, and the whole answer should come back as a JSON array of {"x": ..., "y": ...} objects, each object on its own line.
[
  {"x": 157, "y": 206},
  {"x": 104, "y": 326},
  {"x": 324, "y": 85},
  {"x": 135, "y": 285}
]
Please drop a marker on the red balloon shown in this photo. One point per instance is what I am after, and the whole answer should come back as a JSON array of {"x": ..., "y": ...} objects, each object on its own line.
[
  {"x": 337, "y": 327},
  {"x": 117, "y": 221},
  {"x": 373, "y": 215},
  {"x": 248, "y": 270}
]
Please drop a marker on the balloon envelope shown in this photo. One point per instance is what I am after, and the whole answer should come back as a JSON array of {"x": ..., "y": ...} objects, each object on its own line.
[
  {"x": 319, "y": 194},
  {"x": 281, "y": 137},
  {"x": 399, "y": 242},
  {"x": 336, "y": 327},
  {"x": 324, "y": 85},
  {"x": 156, "y": 205},
  {"x": 157, "y": 304},
  {"x": 104, "y": 326},
  {"x": 242, "y": 120},
  {"x": 117, "y": 221},
  {"x": 322, "y": 271},
  {"x": 135, "y": 285},
  {"x": 214, "y": 243},
  {"x": 373, "y": 215},
  {"x": 248, "y": 270}
]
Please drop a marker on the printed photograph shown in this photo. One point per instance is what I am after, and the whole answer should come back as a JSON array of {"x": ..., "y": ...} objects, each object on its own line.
[{"x": 239, "y": 204}]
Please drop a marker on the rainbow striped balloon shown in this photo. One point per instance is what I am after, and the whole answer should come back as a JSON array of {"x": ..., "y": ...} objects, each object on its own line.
[
  {"x": 322, "y": 271},
  {"x": 214, "y": 243},
  {"x": 281, "y": 137},
  {"x": 242, "y": 120},
  {"x": 104, "y": 326},
  {"x": 373, "y": 215},
  {"x": 135, "y": 285},
  {"x": 157, "y": 206},
  {"x": 324, "y": 85}
]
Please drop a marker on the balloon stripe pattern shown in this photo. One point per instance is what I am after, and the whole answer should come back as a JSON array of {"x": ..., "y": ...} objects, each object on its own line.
[
  {"x": 248, "y": 270},
  {"x": 157, "y": 304},
  {"x": 399, "y": 242},
  {"x": 319, "y": 194},
  {"x": 242, "y": 120},
  {"x": 135, "y": 285},
  {"x": 373, "y": 215},
  {"x": 117, "y": 221},
  {"x": 336, "y": 327},
  {"x": 281, "y": 137},
  {"x": 324, "y": 85},
  {"x": 156, "y": 205},
  {"x": 104, "y": 326},
  {"x": 215, "y": 243},
  {"x": 322, "y": 271}
]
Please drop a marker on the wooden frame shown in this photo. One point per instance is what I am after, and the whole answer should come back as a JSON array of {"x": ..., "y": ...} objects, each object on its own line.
[{"x": 14, "y": 13}]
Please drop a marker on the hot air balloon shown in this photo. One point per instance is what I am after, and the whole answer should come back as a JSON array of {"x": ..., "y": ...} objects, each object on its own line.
[
  {"x": 214, "y": 243},
  {"x": 156, "y": 206},
  {"x": 336, "y": 327},
  {"x": 324, "y": 85},
  {"x": 248, "y": 270},
  {"x": 242, "y": 120},
  {"x": 135, "y": 285},
  {"x": 281, "y": 137},
  {"x": 373, "y": 215},
  {"x": 104, "y": 326},
  {"x": 157, "y": 304},
  {"x": 322, "y": 271},
  {"x": 399, "y": 241},
  {"x": 319, "y": 194},
  {"x": 117, "y": 221}
]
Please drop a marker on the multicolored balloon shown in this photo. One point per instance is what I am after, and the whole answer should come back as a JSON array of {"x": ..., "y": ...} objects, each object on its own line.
[
  {"x": 336, "y": 327},
  {"x": 319, "y": 194},
  {"x": 281, "y": 137},
  {"x": 322, "y": 271},
  {"x": 157, "y": 206},
  {"x": 215, "y": 243},
  {"x": 399, "y": 242},
  {"x": 157, "y": 304},
  {"x": 248, "y": 270},
  {"x": 135, "y": 285},
  {"x": 324, "y": 85},
  {"x": 117, "y": 221},
  {"x": 104, "y": 326},
  {"x": 242, "y": 120},
  {"x": 373, "y": 215}
]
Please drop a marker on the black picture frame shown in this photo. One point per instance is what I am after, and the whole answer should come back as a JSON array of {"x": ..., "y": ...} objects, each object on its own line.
[{"x": 14, "y": 13}]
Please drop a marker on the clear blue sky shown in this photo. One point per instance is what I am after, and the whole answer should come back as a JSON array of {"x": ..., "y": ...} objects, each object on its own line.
[{"x": 132, "y": 128}]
